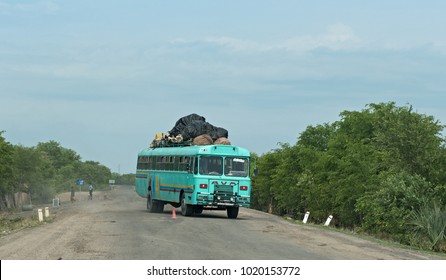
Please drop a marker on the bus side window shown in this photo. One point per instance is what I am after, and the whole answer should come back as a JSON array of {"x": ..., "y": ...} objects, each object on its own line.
[
  {"x": 151, "y": 163},
  {"x": 146, "y": 163},
  {"x": 138, "y": 165},
  {"x": 189, "y": 164},
  {"x": 195, "y": 162},
  {"x": 179, "y": 163},
  {"x": 163, "y": 163},
  {"x": 184, "y": 164},
  {"x": 157, "y": 163},
  {"x": 170, "y": 163},
  {"x": 142, "y": 162}
]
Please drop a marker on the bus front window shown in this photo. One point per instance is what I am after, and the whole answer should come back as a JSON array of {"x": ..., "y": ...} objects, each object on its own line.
[
  {"x": 236, "y": 167},
  {"x": 211, "y": 165}
]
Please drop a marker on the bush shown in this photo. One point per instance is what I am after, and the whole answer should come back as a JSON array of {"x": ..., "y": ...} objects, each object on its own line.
[
  {"x": 429, "y": 224},
  {"x": 388, "y": 210}
]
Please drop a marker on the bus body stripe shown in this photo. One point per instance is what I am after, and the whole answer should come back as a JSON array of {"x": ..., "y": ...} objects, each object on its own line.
[{"x": 174, "y": 188}]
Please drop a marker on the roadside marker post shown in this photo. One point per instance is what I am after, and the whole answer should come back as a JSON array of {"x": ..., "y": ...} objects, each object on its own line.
[
  {"x": 327, "y": 223},
  {"x": 40, "y": 214},
  {"x": 47, "y": 212},
  {"x": 306, "y": 217}
]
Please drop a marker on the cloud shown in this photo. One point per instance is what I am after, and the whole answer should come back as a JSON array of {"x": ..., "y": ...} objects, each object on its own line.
[
  {"x": 337, "y": 36},
  {"x": 339, "y": 33},
  {"x": 43, "y": 7}
]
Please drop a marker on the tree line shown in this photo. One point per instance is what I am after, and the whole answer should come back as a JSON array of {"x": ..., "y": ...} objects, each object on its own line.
[
  {"x": 381, "y": 171},
  {"x": 47, "y": 169}
]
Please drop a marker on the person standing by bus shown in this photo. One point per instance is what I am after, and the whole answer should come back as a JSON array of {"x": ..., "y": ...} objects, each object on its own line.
[{"x": 90, "y": 190}]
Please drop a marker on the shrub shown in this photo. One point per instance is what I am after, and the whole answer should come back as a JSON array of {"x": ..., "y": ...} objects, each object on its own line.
[{"x": 429, "y": 223}]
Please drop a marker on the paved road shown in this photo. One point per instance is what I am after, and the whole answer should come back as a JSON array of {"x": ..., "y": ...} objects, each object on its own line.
[{"x": 116, "y": 226}]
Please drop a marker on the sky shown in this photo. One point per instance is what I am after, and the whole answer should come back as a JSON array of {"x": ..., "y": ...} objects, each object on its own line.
[{"x": 103, "y": 77}]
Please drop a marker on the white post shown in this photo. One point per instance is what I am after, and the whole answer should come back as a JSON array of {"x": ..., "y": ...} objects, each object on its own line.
[
  {"x": 47, "y": 212},
  {"x": 306, "y": 217},
  {"x": 328, "y": 220},
  {"x": 39, "y": 211}
]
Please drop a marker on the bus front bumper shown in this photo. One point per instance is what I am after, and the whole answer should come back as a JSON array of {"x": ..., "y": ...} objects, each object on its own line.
[{"x": 223, "y": 200}]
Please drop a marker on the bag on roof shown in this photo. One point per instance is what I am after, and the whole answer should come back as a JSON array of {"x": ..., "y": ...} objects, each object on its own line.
[
  {"x": 194, "y": 125},
  {"x": 202, "y": 140},
  {"x": 222, "y": 141}
]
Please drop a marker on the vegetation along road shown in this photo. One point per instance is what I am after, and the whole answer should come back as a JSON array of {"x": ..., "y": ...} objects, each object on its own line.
[{"x": 116, "y": 225}]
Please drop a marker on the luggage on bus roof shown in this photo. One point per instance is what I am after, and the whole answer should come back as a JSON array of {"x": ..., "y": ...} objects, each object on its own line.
[{"x": 194, "y": 125}]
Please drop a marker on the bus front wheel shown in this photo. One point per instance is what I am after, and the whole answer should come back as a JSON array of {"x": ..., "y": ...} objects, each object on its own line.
[
  {"x": 232, "y": 212},
  {"x": 186, "y": 209}
]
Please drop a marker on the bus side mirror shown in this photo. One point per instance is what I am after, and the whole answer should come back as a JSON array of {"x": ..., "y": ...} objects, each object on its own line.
[{"x": 255, "y": 172}]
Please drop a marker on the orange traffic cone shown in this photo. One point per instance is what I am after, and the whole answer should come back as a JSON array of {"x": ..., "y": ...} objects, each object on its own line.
[{"x": 174, "y": 213}]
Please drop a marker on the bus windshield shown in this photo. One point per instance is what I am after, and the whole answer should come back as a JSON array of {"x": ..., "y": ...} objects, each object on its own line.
[
  {"x": 233, "y": 166},
  {"x": 237, "y": 167},
  {"x": 211, "y": 165}
]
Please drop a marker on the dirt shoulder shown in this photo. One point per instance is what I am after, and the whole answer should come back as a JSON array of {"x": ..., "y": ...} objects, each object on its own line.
[{"x": 14, "y": 221}]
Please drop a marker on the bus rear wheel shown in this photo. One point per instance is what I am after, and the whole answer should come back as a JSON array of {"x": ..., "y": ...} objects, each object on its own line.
[
  {"x": 154, "y": 206},
  {"x": 149, "y": 202},
  {"x": 232, "y": 212},
  {"x": 159, "y": 206},
  {"x": 186, "y": 209}
]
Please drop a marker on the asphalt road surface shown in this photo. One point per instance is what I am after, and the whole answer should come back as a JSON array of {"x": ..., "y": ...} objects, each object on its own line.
[{"x": 116, "y": 226}]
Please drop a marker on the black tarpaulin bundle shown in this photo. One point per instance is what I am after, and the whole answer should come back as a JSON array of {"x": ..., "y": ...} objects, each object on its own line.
[
  {"x": 192, "y": 130},
  {"x": 194, "y": 125}
]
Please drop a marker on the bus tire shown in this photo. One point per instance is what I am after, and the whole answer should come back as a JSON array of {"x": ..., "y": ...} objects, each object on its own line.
[
  {"x": 232, "y": 212},
  {"x": 154, "y": 206},
  {"x": 186, "y": 209},
  {"x": 198, "y": 209},
  {"x": 150, "y": 206},
  {"x": 159, "y": 206}
]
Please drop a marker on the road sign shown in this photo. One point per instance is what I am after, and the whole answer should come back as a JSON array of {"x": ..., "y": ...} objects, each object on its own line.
[{"x": 80, "y": 182}]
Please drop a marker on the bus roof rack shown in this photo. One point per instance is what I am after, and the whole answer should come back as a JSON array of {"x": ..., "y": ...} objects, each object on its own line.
[{"x": 163, "y": 143}]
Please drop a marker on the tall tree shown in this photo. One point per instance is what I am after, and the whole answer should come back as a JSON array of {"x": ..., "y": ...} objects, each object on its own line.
[{"x": 6, "y": 170}]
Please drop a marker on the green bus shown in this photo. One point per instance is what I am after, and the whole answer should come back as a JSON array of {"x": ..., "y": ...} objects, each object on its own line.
[{"x": 195, "y": 178}]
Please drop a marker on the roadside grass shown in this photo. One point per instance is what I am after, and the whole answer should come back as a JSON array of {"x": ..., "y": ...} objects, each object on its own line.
[
  {"x": 368, "y": 237},
  {"x": 11, "y": 222}
]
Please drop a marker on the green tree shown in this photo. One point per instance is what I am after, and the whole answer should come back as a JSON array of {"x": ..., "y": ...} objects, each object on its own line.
[
  {"x": 372, "y": 169},
  {"x": 263, "y": 186},
  {"x": 34, "y": 173},
  {"x": 6, "y": 170},
  {"x": 58, "y": 155},
  {"x": 95, "y": 173},
  {"x": 29, "y": 167},
  {"x": 285, "y": 176}
]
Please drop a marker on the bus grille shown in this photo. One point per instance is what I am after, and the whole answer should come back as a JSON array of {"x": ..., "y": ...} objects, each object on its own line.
[{"x": 223, "y": 189}]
